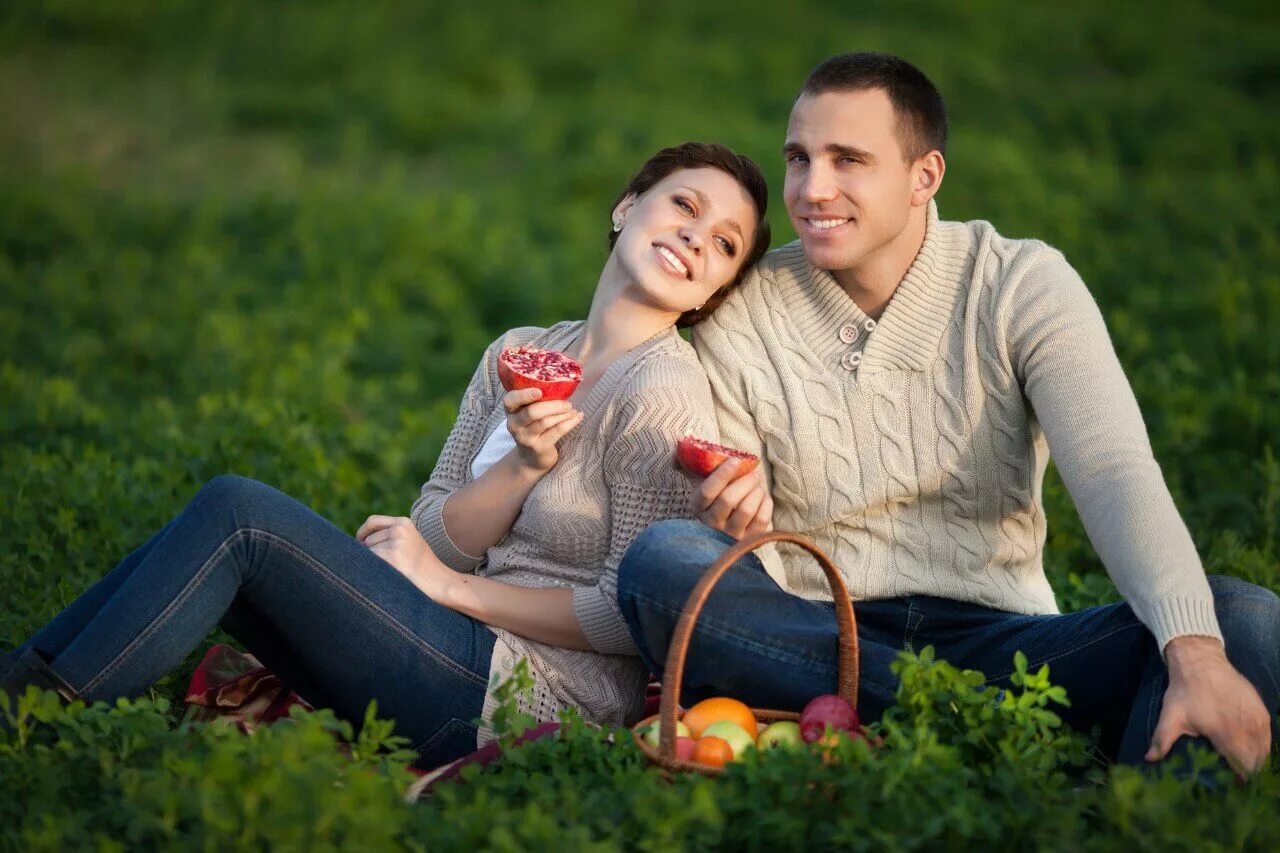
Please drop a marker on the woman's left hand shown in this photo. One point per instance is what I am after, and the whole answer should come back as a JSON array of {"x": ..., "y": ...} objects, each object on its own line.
[{"x": 397, "y": 540}]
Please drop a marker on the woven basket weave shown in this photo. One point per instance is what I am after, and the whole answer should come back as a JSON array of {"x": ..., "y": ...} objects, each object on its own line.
[{"x": 673, "y": 674}]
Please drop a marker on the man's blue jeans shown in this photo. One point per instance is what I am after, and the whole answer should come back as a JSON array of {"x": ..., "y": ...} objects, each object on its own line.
[
  {"x": 772, "y": 649},
  {"x": 331, "y": 618}
]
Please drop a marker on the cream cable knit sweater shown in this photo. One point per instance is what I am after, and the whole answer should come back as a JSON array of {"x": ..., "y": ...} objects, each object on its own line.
[
  {"x": 615, "y": 477},
  {"x": 913, "y": 449}
]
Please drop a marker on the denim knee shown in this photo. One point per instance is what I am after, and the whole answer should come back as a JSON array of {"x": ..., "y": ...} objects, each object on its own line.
[
  {"x": 1247, "y": 613},
  {"x": 668, "y": 557}
]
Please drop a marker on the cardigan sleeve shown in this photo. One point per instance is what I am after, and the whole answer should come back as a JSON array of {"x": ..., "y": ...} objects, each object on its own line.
[
  {"x": 452, "y": 466},
  {"x": 668, "y": 399},
  {"x": 1064, "y": 361}
]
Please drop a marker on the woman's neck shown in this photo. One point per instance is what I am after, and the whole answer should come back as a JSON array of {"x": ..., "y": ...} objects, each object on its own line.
[{"x": 616, "y": 323}]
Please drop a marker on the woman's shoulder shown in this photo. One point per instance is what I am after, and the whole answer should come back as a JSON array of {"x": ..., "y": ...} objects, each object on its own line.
[{"x": 670, "y": 361}]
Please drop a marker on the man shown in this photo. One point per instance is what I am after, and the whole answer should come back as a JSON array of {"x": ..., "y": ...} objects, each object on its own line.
[{"x": 903, "y": 379}]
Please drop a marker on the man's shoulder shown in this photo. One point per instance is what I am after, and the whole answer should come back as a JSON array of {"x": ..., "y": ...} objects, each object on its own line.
[{"x": 1005, "y": 261}]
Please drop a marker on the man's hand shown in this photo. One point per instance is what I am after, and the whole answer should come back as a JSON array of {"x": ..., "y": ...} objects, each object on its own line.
[
  {"x": 1209, "y": 698},
  {"x": 397, "y": 540},
  {"x": 739, "y": 506}
]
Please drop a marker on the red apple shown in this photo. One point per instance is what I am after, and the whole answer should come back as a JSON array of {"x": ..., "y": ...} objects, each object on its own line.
[{"x": 828, "y": 712}]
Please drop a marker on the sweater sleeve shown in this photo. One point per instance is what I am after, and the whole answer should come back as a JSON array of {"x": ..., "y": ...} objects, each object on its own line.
[
  {"x": 451, "y": 471},
  {"x": 668, "y": 399},
  {"x": 723, "y": 344},
  {"x": 1064, "y": 360}
]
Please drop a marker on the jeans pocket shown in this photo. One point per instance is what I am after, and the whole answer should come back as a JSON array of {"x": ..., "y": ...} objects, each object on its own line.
[{"x": 453, "y": 740}]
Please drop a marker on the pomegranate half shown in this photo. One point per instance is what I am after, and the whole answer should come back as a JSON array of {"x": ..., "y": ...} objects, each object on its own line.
[
  {"x": 553, "y": 372},
  {"x": 701, "y": 457}
]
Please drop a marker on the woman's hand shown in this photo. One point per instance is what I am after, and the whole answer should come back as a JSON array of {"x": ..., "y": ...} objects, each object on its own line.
[
  {"x": 396, "y": 540},
  {"x": 538, "y": 427}
]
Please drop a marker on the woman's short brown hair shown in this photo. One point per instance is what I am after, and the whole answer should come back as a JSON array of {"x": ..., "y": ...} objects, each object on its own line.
[{"x": 701, "y": 155}]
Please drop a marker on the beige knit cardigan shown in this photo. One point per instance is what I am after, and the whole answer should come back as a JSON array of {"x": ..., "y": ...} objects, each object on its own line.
[
  {"x": 913, "y": 448},
  {"x": 615, "y": 476}
]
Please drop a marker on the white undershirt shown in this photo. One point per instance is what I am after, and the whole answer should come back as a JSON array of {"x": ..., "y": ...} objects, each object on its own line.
[{"x": 499, "y": 443}]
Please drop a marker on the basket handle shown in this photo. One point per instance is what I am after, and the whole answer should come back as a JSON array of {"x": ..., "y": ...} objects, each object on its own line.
[{"x": 673, "y": 675}]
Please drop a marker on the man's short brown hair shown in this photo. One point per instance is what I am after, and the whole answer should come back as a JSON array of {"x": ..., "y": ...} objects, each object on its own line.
[{"x": 922, "y": 115}]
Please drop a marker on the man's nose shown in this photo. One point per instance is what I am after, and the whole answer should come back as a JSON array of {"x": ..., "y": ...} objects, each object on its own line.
[{"x": 819, "y": 185}]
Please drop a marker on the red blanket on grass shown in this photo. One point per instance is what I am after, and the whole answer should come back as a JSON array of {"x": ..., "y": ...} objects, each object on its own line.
[{"x": 233, "y": 688}]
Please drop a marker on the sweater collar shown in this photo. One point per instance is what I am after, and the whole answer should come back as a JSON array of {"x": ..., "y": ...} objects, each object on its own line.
[{"x": 909, "y": 332}]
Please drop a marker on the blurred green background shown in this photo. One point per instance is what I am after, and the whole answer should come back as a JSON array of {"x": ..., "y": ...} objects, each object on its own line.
[{"x": 272, "y": 238}]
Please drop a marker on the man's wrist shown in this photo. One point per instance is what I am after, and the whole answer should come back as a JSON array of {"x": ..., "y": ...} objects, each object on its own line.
[{"x": 1187, "y": 651}]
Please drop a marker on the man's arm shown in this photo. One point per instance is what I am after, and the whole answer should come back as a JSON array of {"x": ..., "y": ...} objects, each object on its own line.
[{"x": 1064, "y": 361}]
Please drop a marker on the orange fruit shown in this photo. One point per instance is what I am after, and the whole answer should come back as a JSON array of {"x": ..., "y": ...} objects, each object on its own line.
[
  {"x": 712, "y": 750},
  {"x": 714, "y": 710}
]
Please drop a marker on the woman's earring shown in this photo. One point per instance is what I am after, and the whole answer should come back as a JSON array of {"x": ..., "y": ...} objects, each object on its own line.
[{"x": 617, "y": 225}]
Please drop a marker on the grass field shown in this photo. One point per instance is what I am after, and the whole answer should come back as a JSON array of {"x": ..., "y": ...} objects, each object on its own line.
[{"x": 273, "y": 238}]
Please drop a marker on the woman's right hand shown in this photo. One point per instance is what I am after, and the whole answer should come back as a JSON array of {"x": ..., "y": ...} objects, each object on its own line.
[{"x": 538, "y": 427}]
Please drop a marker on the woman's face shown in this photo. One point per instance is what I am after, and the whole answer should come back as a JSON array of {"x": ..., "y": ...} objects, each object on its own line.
[{"x": 685, "y": 238}]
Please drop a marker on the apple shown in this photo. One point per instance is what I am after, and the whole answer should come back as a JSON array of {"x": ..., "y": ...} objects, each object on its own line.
[
  {"x": 733, "y": 734},
  {"x": 652, "y": 733},
  {"x": 784, "y": 734},
  {"x": 828, "y": 712},
  {"x": 685, "y": 747}
]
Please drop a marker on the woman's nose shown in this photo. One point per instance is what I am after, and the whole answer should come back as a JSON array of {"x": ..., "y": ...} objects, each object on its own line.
[{"x": 692, "y": 237}]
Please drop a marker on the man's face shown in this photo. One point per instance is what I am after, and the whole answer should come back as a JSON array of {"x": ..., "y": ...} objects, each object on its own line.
[{"x": 848, "y": 188}]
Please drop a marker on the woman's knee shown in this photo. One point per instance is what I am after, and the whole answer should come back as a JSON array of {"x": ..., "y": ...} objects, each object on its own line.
[{"x": 246, "y": 501}]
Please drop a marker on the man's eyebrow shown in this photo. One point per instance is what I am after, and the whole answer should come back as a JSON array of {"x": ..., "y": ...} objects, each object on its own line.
[
  {"x": 833, "y": 148},
  {"x": 706, "y": 202}
]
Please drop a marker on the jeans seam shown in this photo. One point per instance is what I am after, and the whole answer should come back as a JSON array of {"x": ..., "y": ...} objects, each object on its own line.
[
  {"x": 1039, "y": 663},
  {"x": 355, "y": 595},
  {"x": 912, "y": 628},
  {"x": 253, "y": 533},
  {"x": 162, "y": 619},
  {"x": 444, "y": 730}
]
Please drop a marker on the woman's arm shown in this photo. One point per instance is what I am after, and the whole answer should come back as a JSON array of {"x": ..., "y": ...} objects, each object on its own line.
[
  {"x": 478, "y": 515},
  {"x": 545, "y": 615}
]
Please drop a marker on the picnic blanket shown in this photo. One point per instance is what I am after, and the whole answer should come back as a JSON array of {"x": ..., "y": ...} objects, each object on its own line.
[{"x": 230, "y": 687}]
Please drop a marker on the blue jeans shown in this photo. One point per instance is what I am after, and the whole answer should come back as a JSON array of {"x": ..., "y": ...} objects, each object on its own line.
[
  {"x": 772, "y": 649},
  {"x": 336, "y": 622}
]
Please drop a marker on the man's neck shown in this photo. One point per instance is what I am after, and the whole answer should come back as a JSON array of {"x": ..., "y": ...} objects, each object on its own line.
[{"x": 873, "y": 282}]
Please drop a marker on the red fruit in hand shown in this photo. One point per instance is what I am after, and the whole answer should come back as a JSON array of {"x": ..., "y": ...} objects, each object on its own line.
[
  {"x": 554, "y": 373},
  {"x": 828, "y": 711},
  {"x": 701, "y": 457}
]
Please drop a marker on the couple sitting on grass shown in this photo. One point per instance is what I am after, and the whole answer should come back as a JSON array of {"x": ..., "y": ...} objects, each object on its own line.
[{"x": 902, "y": 378}]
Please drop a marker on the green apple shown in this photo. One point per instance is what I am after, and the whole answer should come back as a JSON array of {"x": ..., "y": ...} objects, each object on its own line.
[
  {"x": 784, "y": 734},
  {"x": 734, "y": 734},
  {"x": 653, "y": 736}
]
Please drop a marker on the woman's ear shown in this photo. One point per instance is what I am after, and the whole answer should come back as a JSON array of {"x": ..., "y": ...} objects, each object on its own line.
[{"x": 620, "y": 212}]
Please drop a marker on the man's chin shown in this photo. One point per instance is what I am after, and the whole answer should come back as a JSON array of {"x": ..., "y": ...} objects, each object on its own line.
[{"x": 826, "y": 257}]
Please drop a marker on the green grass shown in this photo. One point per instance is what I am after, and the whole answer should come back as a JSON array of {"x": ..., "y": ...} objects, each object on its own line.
[{"x": 273, "y": 238}]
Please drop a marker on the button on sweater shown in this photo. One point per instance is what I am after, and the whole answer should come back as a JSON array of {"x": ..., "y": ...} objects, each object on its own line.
[{"x": 914, "y": 454}]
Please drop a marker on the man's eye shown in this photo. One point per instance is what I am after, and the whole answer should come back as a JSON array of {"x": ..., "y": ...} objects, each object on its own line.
[
  {"x": 727, "y": 245},
  {"x": 797, "y": 158}
]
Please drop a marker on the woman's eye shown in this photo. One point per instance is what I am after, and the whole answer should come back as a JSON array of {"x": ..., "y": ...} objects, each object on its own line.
[
  {"x": 684, "y": 205},
  {"x": 727, "y": 245}
]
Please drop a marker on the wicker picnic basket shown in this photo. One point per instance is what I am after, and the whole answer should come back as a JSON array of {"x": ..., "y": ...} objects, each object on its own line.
[{"x": 673, "y": 674}]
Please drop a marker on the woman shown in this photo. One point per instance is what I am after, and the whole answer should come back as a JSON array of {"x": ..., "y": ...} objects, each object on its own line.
[{"x": 512, "y": 548}]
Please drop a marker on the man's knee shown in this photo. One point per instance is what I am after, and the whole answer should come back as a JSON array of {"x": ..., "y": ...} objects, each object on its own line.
[
  {"x": 1249, "y": 616},
  {"x": 667, "y": 558}
]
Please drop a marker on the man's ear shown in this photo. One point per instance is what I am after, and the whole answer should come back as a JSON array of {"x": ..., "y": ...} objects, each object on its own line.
[
  {"x": 926, "y": 177},
  {"x": 621, "y": 210}
]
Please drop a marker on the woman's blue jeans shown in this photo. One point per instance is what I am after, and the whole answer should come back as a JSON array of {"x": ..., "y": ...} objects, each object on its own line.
[
  {"x": 773, "y": 649},
  {"x": 335, "y": 621}
]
